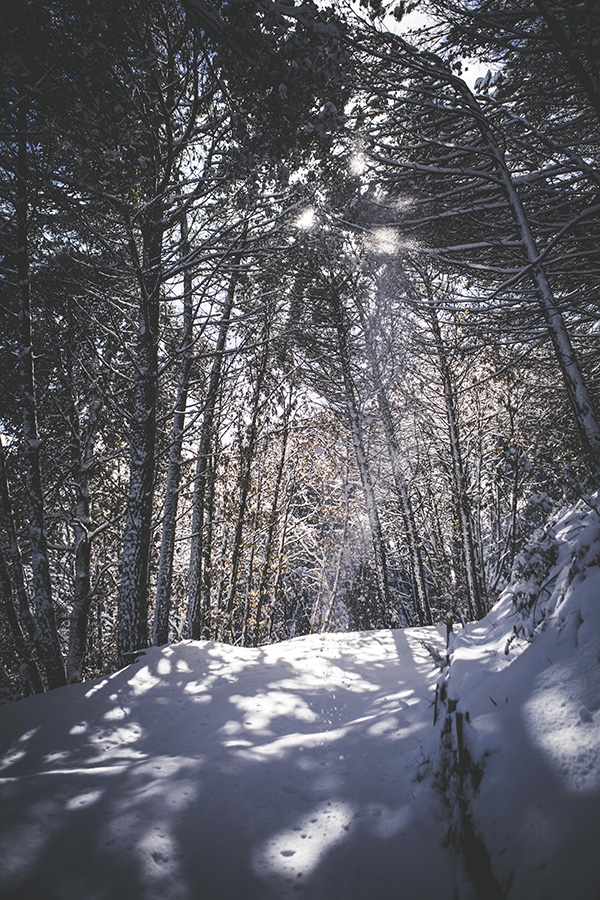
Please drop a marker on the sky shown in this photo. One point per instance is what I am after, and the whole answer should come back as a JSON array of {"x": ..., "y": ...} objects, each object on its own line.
[{"x": 313, "y": 768}]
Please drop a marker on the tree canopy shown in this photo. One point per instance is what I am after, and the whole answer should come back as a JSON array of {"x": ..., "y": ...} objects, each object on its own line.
[{"x": 298, "y": 316}]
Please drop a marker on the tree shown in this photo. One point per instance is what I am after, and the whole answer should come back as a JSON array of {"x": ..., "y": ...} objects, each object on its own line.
[
  {"x": 472, "y": 562},
  {"x": 198, "y": 587},
  {"x": 14, "y": 592},
  {"x": 418, "y": 578},
  {"x": 327, "y": 340},
  {"x": 49, "y": 643},
  {"x": 164, "y": 131},
  {"x": 445, "y": 143}
]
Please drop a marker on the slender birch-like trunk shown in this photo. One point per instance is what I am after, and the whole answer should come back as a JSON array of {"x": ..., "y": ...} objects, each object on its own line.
[
  {"x": 475, "y": 586},
  {"x": 325, "y": 620},
  {"x": 249, "y": 572},
  {"x": 270, "y": 539},
  {"x": 196, "y": 601},
  {"x": 160, "y": 634},
  {"x": 408, "y": 517},
  {"x": 394, "y": 452},
  {"x": 351, "y": 402},
  {"x": 247, "y": 454},
  {"x": 278, "y": 592}
]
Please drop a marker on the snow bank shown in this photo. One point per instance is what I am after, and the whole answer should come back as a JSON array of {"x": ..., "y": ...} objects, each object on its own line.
[{"x": 528, "y": 679}]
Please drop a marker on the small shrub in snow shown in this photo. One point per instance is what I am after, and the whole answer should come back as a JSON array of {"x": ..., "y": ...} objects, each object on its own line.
[{"x": 531, "y": 579}]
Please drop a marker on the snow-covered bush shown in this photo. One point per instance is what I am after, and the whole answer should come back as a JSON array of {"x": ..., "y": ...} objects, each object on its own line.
[{"x": 547, "y": 565}]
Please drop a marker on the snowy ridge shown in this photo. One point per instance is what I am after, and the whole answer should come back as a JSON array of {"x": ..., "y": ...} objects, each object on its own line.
[{"x": 525, "y": 685}]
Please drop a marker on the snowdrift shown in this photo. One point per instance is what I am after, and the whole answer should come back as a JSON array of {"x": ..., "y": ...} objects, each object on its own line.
[{"x": 526, "y": 680}]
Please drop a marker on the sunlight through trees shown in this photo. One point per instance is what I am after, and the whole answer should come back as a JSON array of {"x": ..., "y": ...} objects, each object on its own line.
[{"x": 299, "y": 320}]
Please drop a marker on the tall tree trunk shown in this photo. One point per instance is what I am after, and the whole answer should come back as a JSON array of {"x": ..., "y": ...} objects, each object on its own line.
[
  {"x": 206, "y": 586},
  {"x": 577, "y": 392},
  {"x": 218, "y": 618},
  {"x": 132, "y": 630},
  {"x": 278, "y": 592},
  {"x": 83, "y": 460},
  {"x": 81, "y": 449},
  {"x": 167, "y": 547},
  {"x": 49, "y": 642},
  {"x": 196, "y": 578},
  {"x": 408, "y": 517},
  {"x": 12, "y": 587},
  {"x": 249, "y": 576},
  {"x": 410, "y": 527},
  {"x": 82, "y": 596},
  {"x": 379, "y": 553},
  {"x": 473, "y": 577},
  {"x": 270, "y": 539},
  {"x": 325, "y": 619},
  {"x": 245, "y": 482}
]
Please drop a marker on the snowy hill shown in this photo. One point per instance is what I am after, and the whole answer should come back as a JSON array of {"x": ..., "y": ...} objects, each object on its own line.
[
  {"x": 528, "y": 679},
  {"x": 313, "y": 769}
]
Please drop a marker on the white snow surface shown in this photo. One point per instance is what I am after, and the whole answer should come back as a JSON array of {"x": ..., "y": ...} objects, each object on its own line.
[
  {"x": 208, "y": 771},
  {"x": 308, "y": 768},
  {"x": 534, "y": 709}
]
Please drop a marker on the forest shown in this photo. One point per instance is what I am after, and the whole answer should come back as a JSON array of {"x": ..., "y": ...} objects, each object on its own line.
[{"x": 299, "y": 316}]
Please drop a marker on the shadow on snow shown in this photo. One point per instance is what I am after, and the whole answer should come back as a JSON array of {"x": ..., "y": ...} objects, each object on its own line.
[{"x": 208, "y": 771}]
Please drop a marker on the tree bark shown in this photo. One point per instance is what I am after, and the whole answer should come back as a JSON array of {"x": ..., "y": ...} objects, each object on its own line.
[
  {"x": 475, "y": 586},
  {"x": 408, "y": 518},
  {"x": 13, "y": 590},
  {"x": 247, "y": 459},
  {"x": 264, "y": 580},
  {"x": 162, "y": 604},
  {"x": 279, "y": 593},
  {"x": 48, "y": 638},
  {"x": 132, "y": 629},
  {"x": 325, "y": 619},
  {"x": 83, "y": 461},
  {"x": 197, "y": 603},
  {"x": 585, "y": 416},
  {"x": 425, "y": 63},
  {"x": 379, "y": 553}
]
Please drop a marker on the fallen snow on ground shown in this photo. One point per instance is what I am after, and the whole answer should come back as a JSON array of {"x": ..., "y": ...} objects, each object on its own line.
[
  {"x": 533, "y": 699},
  {"x": 210, "y": 772}
]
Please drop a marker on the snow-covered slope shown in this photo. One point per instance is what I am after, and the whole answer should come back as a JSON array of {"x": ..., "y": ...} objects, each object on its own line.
[
  {"x": 528, "y": 675},
  {"x": 313, "y": 768}
]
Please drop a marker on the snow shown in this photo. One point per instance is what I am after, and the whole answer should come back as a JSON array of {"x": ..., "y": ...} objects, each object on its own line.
[
  {"x": 312, "y": 768},
  {"x": 211, "y": 771},
  {"x": 533, "y": 701}
]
